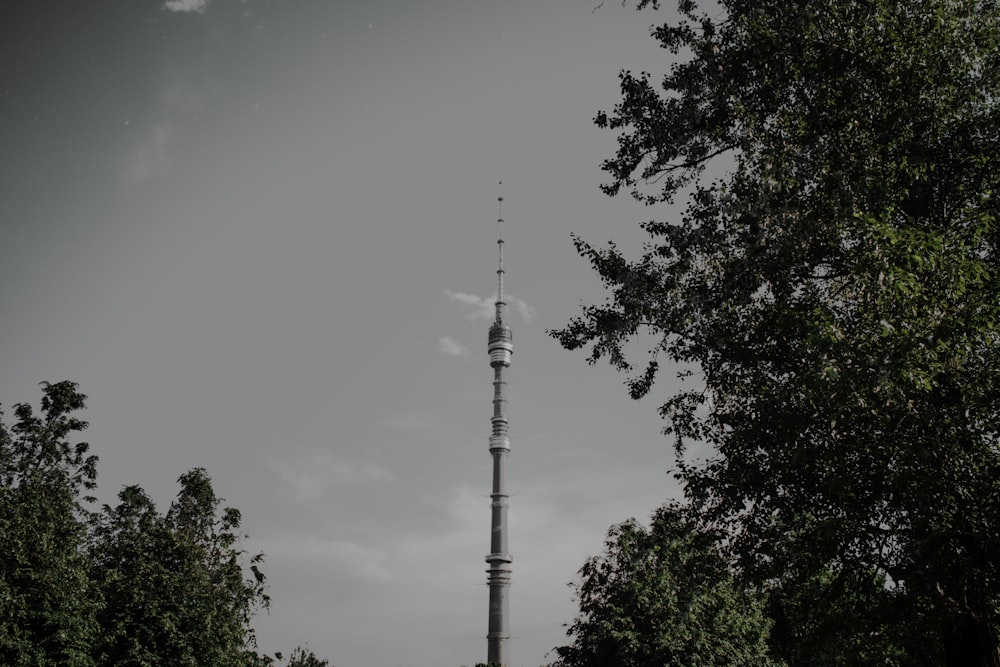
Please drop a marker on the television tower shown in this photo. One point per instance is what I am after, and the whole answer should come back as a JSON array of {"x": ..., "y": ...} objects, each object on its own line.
[{"x": 498, "y": 574}]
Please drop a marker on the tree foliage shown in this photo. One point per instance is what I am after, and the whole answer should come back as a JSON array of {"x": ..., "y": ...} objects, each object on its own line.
[
  {"x": 302, "y": 658},
  {"x": 835, "y": 293},
  {"x": 47, "y": 603},
  {"x": 664, "y": 597},
  {"x": 174, "y": 585},
  {"x": 122, "y": 586}
]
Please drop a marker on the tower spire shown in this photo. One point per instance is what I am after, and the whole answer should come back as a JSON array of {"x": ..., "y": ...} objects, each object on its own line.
[
  {"x": 498, "y": 574},
  {"x": 500, "y": 271}
]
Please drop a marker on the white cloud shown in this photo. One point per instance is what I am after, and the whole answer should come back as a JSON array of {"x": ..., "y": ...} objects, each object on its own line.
[
  {"x": 311, "y": 477},
  {"x": 415, "y": 422},
  {"x": 183, "y": 95},
  {"x": 451, "y": 347},
  {"x": 482, "y": 309},
  {"x": 370, "y": 563},
  {"x": 150, "y": 158},
  {"x": 183, "y": 6},
  {"x": 527, "y": 311},
  {"x": 467, "y": 509},
  {"x": 485, "y": 308}
]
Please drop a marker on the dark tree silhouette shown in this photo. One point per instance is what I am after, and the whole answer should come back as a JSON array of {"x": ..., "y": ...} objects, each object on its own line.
[{"x": 830, "y": 291}]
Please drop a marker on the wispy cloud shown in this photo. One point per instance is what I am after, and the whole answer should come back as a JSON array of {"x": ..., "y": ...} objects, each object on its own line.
[
  {"x": 186, "y": 6},
  {"x": 451, "y": 347},
  {"x": 527, "y": 311},
  {"x": 311, "y": 477},
  {"x": 481, "y": 308},
  {"x": 414, "y": 421},
  {"x": 370, "y": 563},
  {"x": 464, "y": 508},
  {"x": 181, "y": 96},
  {"x": 150, "y": 158}
]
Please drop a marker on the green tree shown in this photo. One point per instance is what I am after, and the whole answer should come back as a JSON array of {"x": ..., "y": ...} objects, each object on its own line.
[
  {"x": 664, "y": 597},
  {"x": 48, "y": 605},
  {"x": 301, "y": 658},
  {"x": 174, "y": 585},
  {"x": 809, "y": 621},
  {"x": 832, "y": 299}
]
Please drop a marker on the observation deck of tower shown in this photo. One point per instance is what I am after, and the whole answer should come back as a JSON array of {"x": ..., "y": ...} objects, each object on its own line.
[{"x": 499, "y": 559}]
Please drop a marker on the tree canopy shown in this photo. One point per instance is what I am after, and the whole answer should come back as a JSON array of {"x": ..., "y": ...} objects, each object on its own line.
[
  {"x": 48, "y": 605},
  {"x": 174, "y": 586},
  {"x": 831, "y": 297},
  {"x": 664, "y": 596},
  {"x": 123, "y": 585},
  {"x": 302, "y": 658}
]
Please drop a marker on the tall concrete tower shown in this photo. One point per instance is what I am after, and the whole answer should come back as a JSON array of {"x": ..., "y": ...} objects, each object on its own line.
[{"x": 498, "y": 574}]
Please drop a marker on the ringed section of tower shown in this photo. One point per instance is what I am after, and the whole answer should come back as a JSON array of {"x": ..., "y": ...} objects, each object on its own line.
[
  {"x": 499, "y": 558},
  {"x": 500, "y": 350}
]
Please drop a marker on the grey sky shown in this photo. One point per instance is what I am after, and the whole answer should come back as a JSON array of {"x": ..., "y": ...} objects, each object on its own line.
[{"x": 260, "y": 233}]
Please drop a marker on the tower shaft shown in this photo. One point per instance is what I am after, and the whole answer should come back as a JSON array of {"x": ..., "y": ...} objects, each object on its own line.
[{"x": 499, "y": 559}]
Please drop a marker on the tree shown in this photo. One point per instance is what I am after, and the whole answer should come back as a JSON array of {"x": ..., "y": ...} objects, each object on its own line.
[
  {"x": 664, "y": 597},
  {"x": 123, "y": 586},
  {"x": 832, "y": 296},
  {"x": 809, "y": 627},
  {"x": 174, "y": 585},
  {"x": 300, "y": 658},
  {"x": 48, "y": 605}
]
